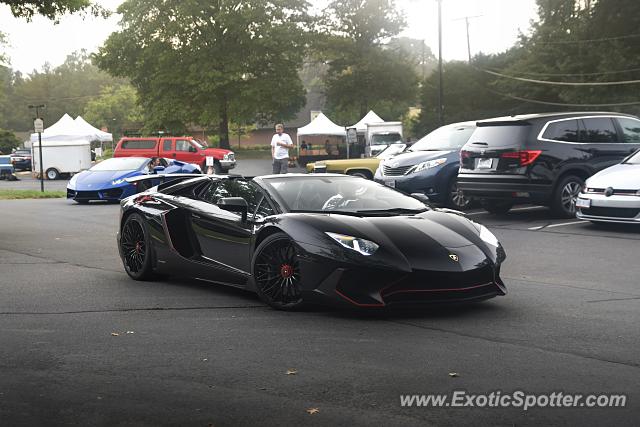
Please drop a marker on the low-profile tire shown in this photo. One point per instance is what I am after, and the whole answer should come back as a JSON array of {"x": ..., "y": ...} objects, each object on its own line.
[
  {"x": 361, "y": 174},
  {"x": 455, "y": 198},
  {"x": 563, "y": 204},
  {"x": 52, "y": 174},
  {"x": 497, "y": 207},
  {"x": 135, "y": 248},
  {"x": 276, "y": 273}
]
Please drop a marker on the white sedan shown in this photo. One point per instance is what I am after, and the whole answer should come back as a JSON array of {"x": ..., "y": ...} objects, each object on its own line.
[{"x": 613, "y": 194}]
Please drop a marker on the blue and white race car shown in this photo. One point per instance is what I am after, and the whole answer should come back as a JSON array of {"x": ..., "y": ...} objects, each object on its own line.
[{"x": 107, "y": 180}]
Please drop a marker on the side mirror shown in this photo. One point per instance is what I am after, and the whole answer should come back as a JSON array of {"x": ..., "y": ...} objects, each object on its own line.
[
  {"x": 234, "y": 204},
  {"x": 422, "y": 197},
  {"x": 158, "y": 169}
]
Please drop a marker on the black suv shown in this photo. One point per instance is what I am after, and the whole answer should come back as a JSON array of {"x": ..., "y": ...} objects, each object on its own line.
[{"x": 542, "y": 158}]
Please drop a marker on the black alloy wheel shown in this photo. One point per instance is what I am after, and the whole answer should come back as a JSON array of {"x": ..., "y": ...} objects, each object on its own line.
[
  {"x": 134, "y": 246},
  {"x": 566, "y": 194},
  {"x": 276, "y": 272}
]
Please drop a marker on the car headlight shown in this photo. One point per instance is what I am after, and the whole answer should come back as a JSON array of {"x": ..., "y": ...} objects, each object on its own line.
[
  {"x": 363, "y": 246},
  {"x": 117, "y": 181},
  {"x": 73, "y": 180},
  {"x": 488, "y": 236},
  {"x": 428, "y": 165},
  {"x": 228, "y": 156}
]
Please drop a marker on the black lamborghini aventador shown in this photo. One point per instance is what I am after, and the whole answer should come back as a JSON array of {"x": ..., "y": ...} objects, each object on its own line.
[{"x": 309, "y": 238}]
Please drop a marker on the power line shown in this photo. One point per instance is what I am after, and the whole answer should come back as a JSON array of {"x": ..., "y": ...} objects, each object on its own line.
[
  {"x": 555, "y": 83},
  {"x": 603, "y": 39},
  {"x": 537, "y": 101},
  {"x": 524, "y": 73}
]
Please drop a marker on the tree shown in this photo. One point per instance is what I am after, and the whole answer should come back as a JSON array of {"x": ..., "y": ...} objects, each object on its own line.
[
  {"x": 8, "y": 141},
  {"x": 212, "y": 62},
  {"x": 116, "y": 108},
  {"x": 51, "y": 9},
  {"x": 362, "y": 74}
]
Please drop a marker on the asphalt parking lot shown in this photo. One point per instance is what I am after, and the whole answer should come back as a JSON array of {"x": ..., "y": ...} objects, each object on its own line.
[{"x": 83, "y": 344}]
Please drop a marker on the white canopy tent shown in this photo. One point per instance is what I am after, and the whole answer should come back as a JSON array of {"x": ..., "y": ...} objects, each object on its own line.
[
  {"x": 370, "y": 117},
  {"x": 321, "y": 125},
  {"x": 67, "y": 129},
  {"x": 91, "y": 130}
]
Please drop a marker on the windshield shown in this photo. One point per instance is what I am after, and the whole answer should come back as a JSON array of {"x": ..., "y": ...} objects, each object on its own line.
[
  {"x": 444, "y": 139},
  {"x": 120, "y": 164},
  {"x": 391, "y": 151},
  {"x": 341, "y": 194},
  {"x": 201, "y": 145},
  {"x": 386, "y": 139},
  {"x": 634, "y": 160}
]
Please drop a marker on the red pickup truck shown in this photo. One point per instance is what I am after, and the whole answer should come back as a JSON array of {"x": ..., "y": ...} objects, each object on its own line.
[{"x": 184, "y": 149}]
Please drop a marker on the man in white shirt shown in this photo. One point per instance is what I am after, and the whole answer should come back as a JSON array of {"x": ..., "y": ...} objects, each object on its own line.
[{"x": 280, "y": 145}]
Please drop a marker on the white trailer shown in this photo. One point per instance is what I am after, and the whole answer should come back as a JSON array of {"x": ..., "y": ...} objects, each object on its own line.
[
  {"x": 380, "y": 135},
  {"x": 61, "y": 157}
]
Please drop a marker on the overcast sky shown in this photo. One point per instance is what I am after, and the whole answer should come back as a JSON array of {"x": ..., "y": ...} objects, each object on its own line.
[{"x": 39, "y": 41}]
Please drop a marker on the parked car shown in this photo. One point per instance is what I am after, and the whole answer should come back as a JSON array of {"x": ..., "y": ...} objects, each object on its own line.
[
  {"x": 6, "y": 169},
  {"x": 362, "y": 167},
  {"x": 21, "y": 160},
  {"x": 273, "y": 235},
  {"x": 430, "y": 166},
  {"x": 613, "y": 194},
  {"x": 107, "y": 179},
  {"x": 543, "y": 158},
  {"x": 184, "y": 149}
]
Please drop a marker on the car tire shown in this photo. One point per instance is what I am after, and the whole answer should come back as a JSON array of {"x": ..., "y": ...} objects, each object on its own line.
[
  {"x": 276, "y": 273},
  {"x": 497, "y": 207},
  {"x": 217, "y": 168},
  {"x": 563, "y": 204},
  {"x": 135, "y": 248},
  {"x": 52, "y": 174},
  {"x": 360, "y": 174},
  {"x": 455, "y": 198}
]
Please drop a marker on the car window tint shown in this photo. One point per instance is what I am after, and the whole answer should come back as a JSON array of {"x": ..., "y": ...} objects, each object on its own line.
[
  {"x": 139, "y": 144},
  {"x": 264, "y": 209},
  {"x": 233, "y": 188},
  {"x": 630, "y": 130},
  {"x": 182, "y": 145},
  {"x": 598, "y": 129},
  {"x": 564, "y": 130},
  {"x": 166, "y": 145}
]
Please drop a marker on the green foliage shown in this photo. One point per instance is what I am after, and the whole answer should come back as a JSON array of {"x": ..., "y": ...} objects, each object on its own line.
[
  {"x": 212, "y": 62},
  {"x": 51, "y": 9},
  {"x": 8, "y": 141},
  {"x": 64, "y": 89},
  {"x": 362, "y": 73},
  {"x": 31, "y": 194},
  {"x": 116, "y": 109}
]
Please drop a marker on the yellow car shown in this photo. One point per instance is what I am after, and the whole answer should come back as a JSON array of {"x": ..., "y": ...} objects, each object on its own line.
[{"x": 365, "y": 168}]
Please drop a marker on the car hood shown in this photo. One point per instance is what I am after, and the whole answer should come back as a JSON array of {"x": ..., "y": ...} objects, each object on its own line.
[
  {"x": 407, "y": 243},
  {"x": 621, "y": 177},
  {"x": 93, "y": 180},
  {"x": 413, "y": 158}
]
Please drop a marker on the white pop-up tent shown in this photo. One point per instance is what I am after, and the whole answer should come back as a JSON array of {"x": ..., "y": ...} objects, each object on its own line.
[
  {"x": 95, "y": 133},
  {"x": 321, "y": 125},
  {"x": 370, "y": 117}
]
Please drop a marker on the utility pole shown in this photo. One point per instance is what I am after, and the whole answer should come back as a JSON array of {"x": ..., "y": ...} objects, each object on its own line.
[
  {"x": 466, "y": 21},
  {"x": 38, "y": 126},
  {"x": 440, "y": 88}
]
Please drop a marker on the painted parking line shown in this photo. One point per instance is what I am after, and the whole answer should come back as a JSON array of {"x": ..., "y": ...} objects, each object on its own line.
[
  {"x": 528, "y": 208},
  {"x": 556, "y": 225}
]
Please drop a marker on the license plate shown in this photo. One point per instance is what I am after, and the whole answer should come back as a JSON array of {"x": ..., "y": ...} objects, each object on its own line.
[
  {"x": 583, "y": 203},
  {"x": 484, "y": 163},
  {"x": 390, "y": 183}
]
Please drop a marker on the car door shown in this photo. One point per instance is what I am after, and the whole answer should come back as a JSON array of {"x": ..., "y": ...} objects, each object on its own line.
[
  {"x": 630, "y": 130},
  {"x": 186, "y": 152},
  {"x": 225, "y": 239},
  {"x": 167, "y": 148},
  {"x": 602, "y": 141}
]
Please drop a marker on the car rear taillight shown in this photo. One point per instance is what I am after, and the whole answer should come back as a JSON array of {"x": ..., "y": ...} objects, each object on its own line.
[{"x": 526, "y": 157}]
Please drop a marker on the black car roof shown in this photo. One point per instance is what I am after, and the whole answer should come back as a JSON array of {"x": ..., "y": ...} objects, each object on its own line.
[{"x": 523, "y": 119}]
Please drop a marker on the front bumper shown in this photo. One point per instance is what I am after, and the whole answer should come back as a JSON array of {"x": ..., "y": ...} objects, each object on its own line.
[
  {"x": 616, "y": 208},
  {"x": 364, "y": 287},
  {"x": 227, "y": 164},
  {"x": 111, "y": 194},
  {"x": 430, "y": 182}
]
